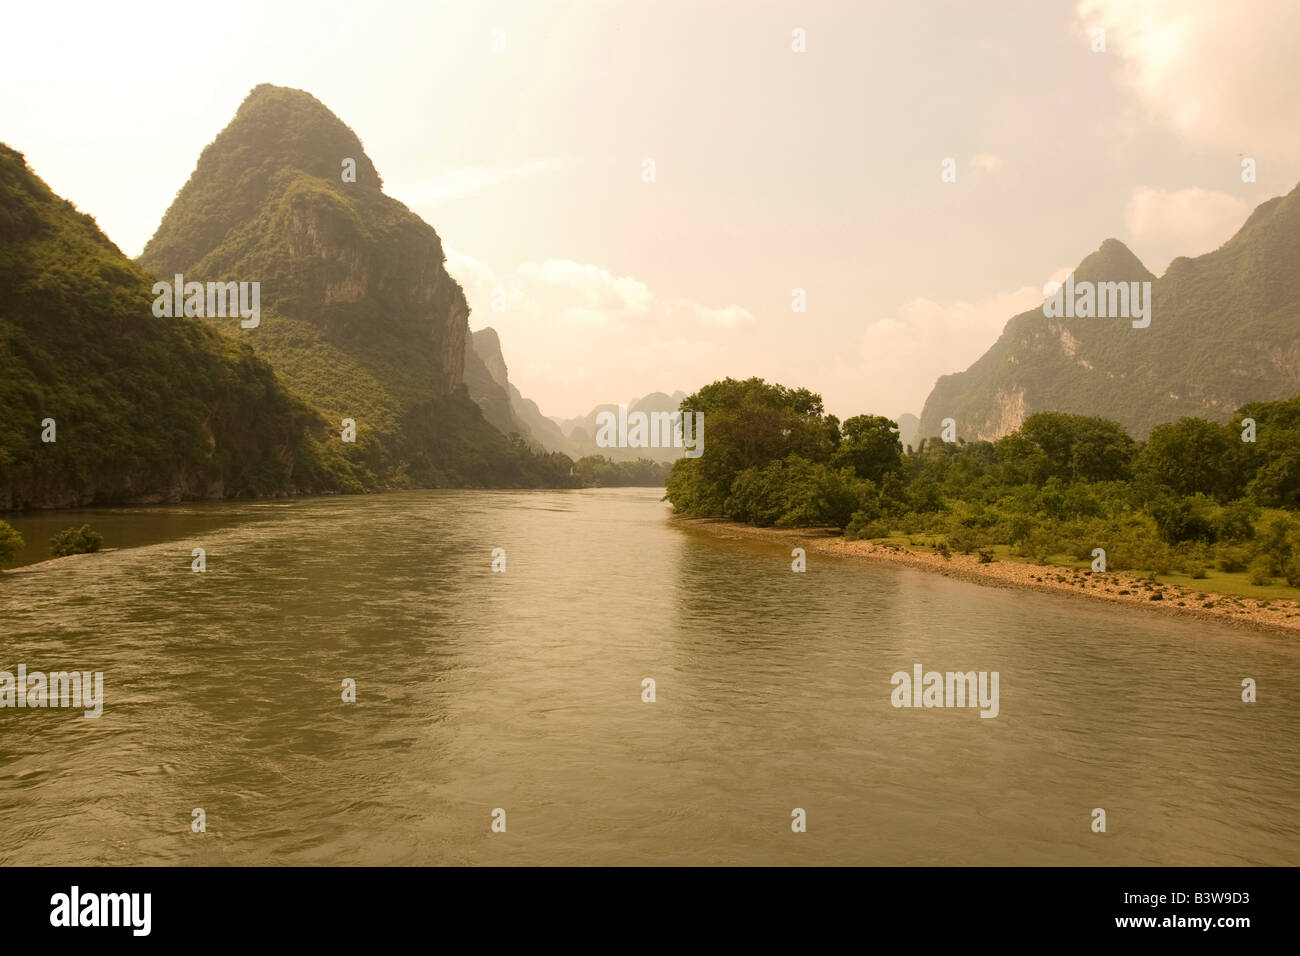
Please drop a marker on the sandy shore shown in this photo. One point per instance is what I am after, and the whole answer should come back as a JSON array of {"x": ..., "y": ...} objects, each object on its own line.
[{"x": 1116, "y": 587}]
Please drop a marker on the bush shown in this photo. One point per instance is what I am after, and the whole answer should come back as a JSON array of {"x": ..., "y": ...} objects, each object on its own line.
[
  {"x": 1019, "y": 530},
  {"x": 76, "y": 541},
  {"x": 1235, "y": 522},
  {"x": 1233, "y": 559},
  {"x": 1261, "y": 571},
  {"x": 1185, "y": 519},
  {"x": 11, "y": 542},
  {"x": 965, "y": 540},
  {"x": 861, "y": 525}
]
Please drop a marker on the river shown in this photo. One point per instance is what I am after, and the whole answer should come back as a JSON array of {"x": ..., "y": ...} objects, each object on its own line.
[{"x": 523, "y": 691}]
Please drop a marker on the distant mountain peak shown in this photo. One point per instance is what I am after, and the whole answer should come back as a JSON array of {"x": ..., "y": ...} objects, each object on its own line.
[{"x": 1112, "y": 262}]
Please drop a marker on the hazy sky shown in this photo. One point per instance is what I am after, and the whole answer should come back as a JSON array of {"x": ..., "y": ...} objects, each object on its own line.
[{"x": 774, "y": 170}]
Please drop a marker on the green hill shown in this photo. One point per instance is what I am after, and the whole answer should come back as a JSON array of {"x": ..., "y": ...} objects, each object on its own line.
[
  {"x": 1225, "y": 330},
  {"x": 145, "y": 409}
]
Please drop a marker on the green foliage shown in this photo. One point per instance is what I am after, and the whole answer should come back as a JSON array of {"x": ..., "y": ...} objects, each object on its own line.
[
  {"x": 869, "y": 445},
  {"x": 862, "y": 525},
  {"x": 1192, "y": 456},
  {"x": 11, "y": 542},
  {"x": 797, "y": 493},
  {"x": 76, "y": 541},
  {"x": 1260, "y": 572},
  {"x": 749, "y": 424},
  {"x": 1070, "y": 448},
  {"x": 1185, "y": 519}
]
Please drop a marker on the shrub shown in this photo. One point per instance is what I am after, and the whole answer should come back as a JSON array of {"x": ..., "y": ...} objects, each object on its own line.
[
  {"x": 1185, "y": 519},
  {"x": 1233, "y": 559},
  {"x": 1261, "y": 571},
  {"x": 1235, "y": 522},
  {"x": 966, "y": 540},
  {"x": 11, "y": 542},
  {"x": 861, "y": 525},
  {"x": 1019, "y": 529},
  {"x": 75, "y": 541}
]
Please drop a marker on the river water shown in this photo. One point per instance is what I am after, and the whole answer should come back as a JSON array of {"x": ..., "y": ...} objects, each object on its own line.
[{"x": 522, "y": 691}]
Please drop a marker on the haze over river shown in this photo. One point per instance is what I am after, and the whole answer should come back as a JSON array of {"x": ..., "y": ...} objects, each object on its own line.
[{"x": 523, "y": 691}]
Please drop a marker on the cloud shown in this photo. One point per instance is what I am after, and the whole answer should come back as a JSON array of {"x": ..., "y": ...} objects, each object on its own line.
[
  {"x": 596, "y": 293},
  {"x": 1222, "y": 74},
  {"x": 729, "y": 316},
  {"x": 468, "y": 180},
  {"x": 584, "y": 293},
  {"x": 1184, "y": 222}
]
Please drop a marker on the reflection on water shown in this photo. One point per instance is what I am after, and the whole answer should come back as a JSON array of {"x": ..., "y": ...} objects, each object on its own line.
[{"x": 523, "y": 691}]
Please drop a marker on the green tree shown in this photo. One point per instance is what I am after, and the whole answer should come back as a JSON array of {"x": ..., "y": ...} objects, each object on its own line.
[
  {"x": 1193, "y": 456},
  {"x": 870, "y": 446},
  {"x": 747, "y": 424},
  {"x": 1079, "y": 447}
]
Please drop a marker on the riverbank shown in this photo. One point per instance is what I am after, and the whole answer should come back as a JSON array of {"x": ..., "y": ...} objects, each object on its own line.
[
  {"x": 52, "y": 563},
  {"x": 1116, "y": 587}
]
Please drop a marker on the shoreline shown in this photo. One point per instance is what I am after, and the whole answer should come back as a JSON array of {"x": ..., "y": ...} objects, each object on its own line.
[
  {"x": 1115, "y": 587},
  {"x": 50, "y": 563}
]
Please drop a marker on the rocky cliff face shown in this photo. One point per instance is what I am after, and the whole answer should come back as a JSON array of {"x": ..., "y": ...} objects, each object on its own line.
[{"x": 1224, "y": 330}]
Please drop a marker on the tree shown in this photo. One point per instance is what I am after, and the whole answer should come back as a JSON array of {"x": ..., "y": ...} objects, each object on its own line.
[
  {"x": 1078, "y": 447},
  {"x": 1192, "y": 456},
  {"x": 747, "y": 424},
  {"x": 870, "y": 446}
]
